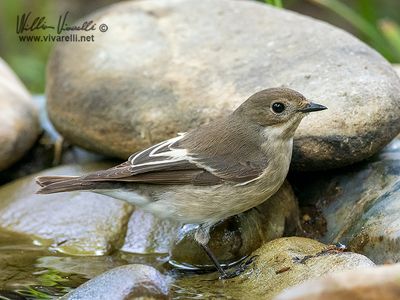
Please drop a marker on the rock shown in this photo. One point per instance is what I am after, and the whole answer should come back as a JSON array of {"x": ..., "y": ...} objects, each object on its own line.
[
  {"x": 75, "y": 223},
  {"x": 374, "y": 283},
  {"x": 50, "y": 150},
  {"x": 19, "y": 119},
  {"x": 278, "y": 264},
  {"x": 125, "y": 282},
  {"x": 360, "y": 204},
  {"x": 230, "y": 240},
  {"x": 156, "y": 72},
  {"x": 148, "y": 234}
]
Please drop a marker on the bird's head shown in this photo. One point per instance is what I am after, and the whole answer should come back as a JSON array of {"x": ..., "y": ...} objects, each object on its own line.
[{"x": 280, "y": 109}]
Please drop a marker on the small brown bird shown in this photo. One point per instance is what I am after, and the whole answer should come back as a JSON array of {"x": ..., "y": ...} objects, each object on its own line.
[{"x": 210, "y": 173}]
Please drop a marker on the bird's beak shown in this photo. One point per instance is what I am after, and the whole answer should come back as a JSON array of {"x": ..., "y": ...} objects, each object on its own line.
[{"x": 311, "y": 106}]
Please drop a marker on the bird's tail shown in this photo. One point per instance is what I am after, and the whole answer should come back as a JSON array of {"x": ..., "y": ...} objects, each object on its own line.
[{"x": 57, "y": 184}]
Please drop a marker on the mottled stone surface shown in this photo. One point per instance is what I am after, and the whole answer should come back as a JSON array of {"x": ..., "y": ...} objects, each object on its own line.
[
  {"x": 372, "y": 283},
  {"x": 360, "y": 204},
  {"x": 19, "y": 119},
  {"x": 125, "y": 282},
  {"x": 81, "y": 223},
  {"x": 278, "y": 264},
  {"x": 165, "y": 66}
]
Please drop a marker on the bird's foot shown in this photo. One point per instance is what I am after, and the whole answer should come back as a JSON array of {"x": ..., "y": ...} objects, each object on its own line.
[{"x": 242, "y": 267}]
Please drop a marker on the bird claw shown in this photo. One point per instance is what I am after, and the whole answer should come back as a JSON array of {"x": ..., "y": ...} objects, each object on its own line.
[{"x": 239, "y": 269}]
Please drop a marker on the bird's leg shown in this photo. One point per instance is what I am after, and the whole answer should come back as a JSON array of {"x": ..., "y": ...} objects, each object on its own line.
[
  {"x": 202, "y": 236},
  {"x": 214, "y": 260}
]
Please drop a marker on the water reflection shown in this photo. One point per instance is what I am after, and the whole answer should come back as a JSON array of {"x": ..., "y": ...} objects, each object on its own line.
[{"x": 28, "y": 270}]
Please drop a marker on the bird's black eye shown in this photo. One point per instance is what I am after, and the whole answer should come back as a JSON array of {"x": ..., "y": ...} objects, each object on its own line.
[{"x": 278, "y": 107}]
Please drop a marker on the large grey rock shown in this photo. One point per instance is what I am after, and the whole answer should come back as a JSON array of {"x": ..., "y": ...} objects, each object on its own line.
[
  {"x": 165, "y": 66},
  {"x": 360, "y": 204},
  {"x": 232, "y": 239},
  {"x": 125, "y": 282},
  {"x": 372, "y": 283},
  {"x": 279, "y": 264},
  {"x": 75, "y": 223},
  {"x": 19, "y": 119}
]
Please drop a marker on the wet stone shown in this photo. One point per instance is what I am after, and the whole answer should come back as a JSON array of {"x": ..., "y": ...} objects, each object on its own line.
[
  {"x": 360, "y": 204},
  {"x": 77, "y": 223},
  {"x": 277, "y": 265}
]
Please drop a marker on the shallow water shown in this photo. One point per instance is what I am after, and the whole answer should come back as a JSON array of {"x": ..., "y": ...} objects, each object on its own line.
[
  {"x": 28, "y": 270},
  {"x": 34, "y": 269}
]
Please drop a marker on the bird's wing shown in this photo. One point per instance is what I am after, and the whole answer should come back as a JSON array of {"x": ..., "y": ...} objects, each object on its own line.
[
  {"x": 227, "y": 149},
  {"x": 175, "y": 161},
  {"x": 158, "y": 164}
]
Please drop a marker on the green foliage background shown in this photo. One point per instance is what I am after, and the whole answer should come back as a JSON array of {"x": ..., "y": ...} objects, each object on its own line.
[{"x": 28, "y": 60}]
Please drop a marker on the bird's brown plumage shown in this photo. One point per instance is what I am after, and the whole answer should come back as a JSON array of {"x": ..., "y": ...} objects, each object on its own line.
[{"x": 207, "y": 163}]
